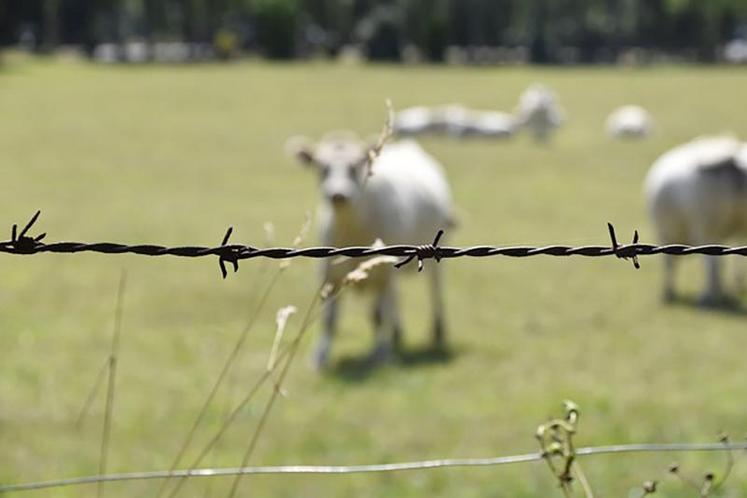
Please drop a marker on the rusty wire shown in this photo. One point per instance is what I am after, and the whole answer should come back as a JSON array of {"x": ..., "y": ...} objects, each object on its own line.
[{"x": 24, "y": 244}]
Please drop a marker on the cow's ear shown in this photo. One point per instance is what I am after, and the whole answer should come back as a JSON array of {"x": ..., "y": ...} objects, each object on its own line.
[{"x": 300, "y": 148}]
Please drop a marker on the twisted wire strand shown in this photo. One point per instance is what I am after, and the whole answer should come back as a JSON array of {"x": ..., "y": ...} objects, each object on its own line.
[
  {"x": 23, "y": 244},
  {"x": 360, "y": 469},
  {"x": 241, "y": 252}
]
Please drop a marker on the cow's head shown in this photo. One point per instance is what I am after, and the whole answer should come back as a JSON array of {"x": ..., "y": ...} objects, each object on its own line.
[{"x": 340, "y": 159}]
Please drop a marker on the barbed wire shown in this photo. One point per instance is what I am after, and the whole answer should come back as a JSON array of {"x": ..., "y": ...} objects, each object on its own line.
[
  {"x": 375, "y": 468},
  {"x": 23, "y": 244}
]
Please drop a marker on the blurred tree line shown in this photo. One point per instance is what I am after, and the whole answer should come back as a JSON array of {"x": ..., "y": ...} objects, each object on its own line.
[{"x": 590, "y": 30}]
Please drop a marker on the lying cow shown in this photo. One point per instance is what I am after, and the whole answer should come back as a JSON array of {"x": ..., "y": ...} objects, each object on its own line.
[{"x": 629, "y": 122}]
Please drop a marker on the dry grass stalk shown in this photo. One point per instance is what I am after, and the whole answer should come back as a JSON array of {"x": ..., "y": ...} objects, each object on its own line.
[
  {"x": 363, "y": 271},
  {"x": 327, "y": 291},
  {"x": 386, "y": 133},
  {"x": 709, "y": 485},
  {"x": 292, "y": 349},
  {"x": 269, "y": 229},
  {"x": 281, "y": 320},
  {"x": 111, "y": 385},
  {"x": 92, "y": 394},
  {"x": 221, "y": 377},
  {"x": 358, "y": 275},
  {"x": 298, "y": 240},
  {"x": 269, "y": 234},
  {"x": 556, "y": 444}
]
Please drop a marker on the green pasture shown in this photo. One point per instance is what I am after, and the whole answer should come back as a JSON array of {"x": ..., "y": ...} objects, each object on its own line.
[{"x": 175, "y": 155}]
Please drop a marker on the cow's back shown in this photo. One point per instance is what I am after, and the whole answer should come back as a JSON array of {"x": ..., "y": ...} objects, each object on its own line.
[{"x": 407, "y": 199}]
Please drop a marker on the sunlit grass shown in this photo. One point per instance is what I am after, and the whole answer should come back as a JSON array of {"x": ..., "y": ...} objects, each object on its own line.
[{"x": 174, "y": 155}]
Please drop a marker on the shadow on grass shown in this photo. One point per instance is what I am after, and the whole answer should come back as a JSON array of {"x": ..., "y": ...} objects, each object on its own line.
[
  {"x": 727, "y": 306},
  {"x": 361, "y": 368}
]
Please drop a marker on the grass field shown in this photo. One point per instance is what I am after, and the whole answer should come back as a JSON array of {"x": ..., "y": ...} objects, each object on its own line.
[{"x": 174, "y": 155}]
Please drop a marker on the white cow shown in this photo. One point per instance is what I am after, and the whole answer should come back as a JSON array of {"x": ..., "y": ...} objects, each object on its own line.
[
  {"x": 458, "y": 121},
  {"x": 539, "y": 112},
  {"x": 629, "y": 121},
  {"x": 414, "y": 121},
  {"x": 452, "y": 119},
  {"x": 697, "y": 194},
  {"x": 491, "y": 124},
  {"x": 406, "y": 200}
]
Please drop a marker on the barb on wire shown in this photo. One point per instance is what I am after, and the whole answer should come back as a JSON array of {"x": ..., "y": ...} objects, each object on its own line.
[
  {"x": 624, "y": 252},
  {"x": 430, "y": 251},
  {"x": 233, "y": 253},
  {"x": 20, "y": 242},
  {"x": 226, "y": 257}
]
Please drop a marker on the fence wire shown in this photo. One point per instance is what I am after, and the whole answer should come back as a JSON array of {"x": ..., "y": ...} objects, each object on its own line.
[
  {"x": 23, "y": 244},
  {"x": 361, "y": 469}
]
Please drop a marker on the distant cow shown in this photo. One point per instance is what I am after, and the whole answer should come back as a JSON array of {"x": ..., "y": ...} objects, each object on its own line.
[
  {"x": 697, "y": 194},
  {"x": 539, "y": 112},
  {"x": 405, "y": 201},
  {"x": 414, "y": 121},
  {"x": 491, "y": 124},
  {"x": 458, "y": 121},
  {"x": 629, "y": 121},
  {"x": 455, "y": 121},
  {"x": 452, "y": 119}
]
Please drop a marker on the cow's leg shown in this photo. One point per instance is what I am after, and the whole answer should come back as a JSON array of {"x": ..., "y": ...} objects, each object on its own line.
[
  {"x": 385, "y": 324},
  {"x": 713, "y": 292},
  {"x": 329, "y": 324},
  {"x": 396, "y": 325},
  {"x": 739, "y": 274},
  {"x": 439, "y": 326}
]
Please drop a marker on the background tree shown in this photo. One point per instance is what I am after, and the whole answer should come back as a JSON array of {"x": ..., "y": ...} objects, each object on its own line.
[{"x": 588, "y": 30}]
